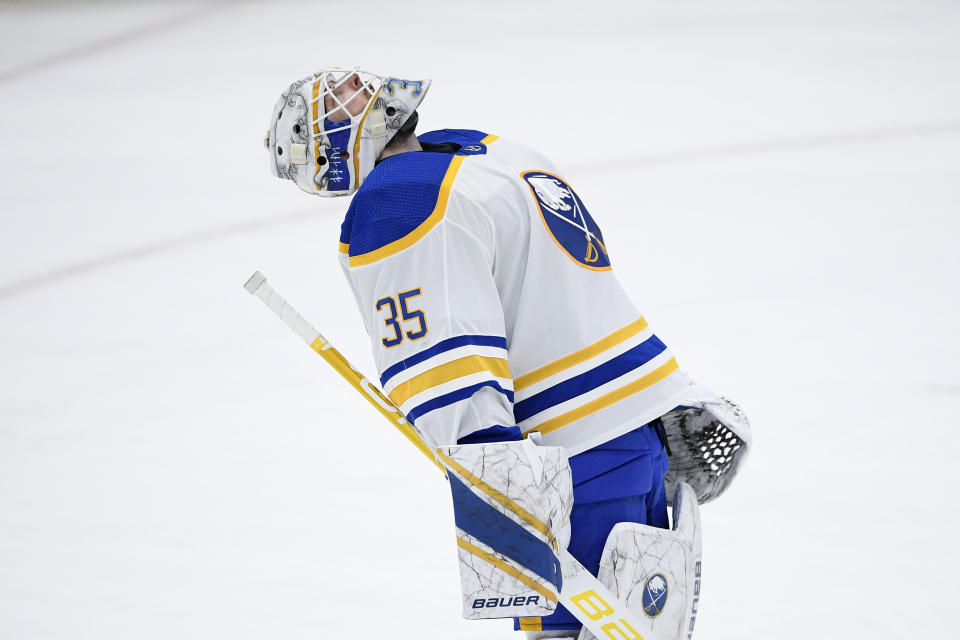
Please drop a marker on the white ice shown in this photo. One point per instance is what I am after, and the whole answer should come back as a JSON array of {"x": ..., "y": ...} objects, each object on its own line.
[{"x": 779, "y": 187}]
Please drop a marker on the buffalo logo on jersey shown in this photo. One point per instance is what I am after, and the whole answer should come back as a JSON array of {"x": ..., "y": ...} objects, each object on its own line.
[
  {"x": 567, "y": 220},
  {"x": 655, "y": 595}
]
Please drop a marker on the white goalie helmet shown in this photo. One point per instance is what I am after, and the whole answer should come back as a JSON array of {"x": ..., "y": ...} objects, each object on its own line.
[{"x": 329, "y": 129}]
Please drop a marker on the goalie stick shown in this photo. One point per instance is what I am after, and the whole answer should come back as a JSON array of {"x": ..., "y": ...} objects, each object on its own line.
[{"x": 582, "y": 593}]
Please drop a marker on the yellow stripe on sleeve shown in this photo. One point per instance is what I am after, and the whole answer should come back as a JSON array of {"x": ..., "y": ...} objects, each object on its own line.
[
  {"x": 447, "y": 372},
  {"x": 531, "y": 624},
  {"x": 490, "y": 138},
  {"x": 524, "y": 515},
  {"x": 582, "y": 355},
  {"x": 503, "y": 566},
  {"x": 605, "y": 401},
  {"x": 417, "y": 234}
]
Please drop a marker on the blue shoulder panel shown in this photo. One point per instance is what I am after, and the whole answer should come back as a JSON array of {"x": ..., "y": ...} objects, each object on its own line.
[
  {"x": 395, "y": 199},
  {"x": 458, "y": 136}
]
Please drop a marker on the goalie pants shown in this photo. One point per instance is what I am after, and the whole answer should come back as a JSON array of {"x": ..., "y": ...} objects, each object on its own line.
[{"x": 618, "y": 481}]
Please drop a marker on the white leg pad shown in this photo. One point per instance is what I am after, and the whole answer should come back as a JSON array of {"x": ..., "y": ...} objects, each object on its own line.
[{"x": 656, "y": 572}]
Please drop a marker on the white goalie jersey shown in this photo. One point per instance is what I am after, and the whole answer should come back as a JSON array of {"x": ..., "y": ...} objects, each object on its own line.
[{"x": 487, "y": 291}]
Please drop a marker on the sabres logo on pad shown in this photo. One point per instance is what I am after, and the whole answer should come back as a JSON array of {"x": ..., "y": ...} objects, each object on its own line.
[
  {"x": 567, "y": 220},
  {"x": 655, "y": 595}
]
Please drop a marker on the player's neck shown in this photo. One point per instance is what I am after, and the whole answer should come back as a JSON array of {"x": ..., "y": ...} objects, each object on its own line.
[{"x": 410, "y": 143}]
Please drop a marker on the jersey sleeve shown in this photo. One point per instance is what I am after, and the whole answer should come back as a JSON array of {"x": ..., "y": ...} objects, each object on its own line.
[{"x": 433, "y": 313}]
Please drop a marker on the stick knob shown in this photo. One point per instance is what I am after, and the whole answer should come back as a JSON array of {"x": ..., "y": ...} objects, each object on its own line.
[{"x": 254, "y": 282}]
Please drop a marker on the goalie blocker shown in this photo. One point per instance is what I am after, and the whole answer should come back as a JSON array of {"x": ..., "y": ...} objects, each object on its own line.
[{"x": 511, "y": 504}]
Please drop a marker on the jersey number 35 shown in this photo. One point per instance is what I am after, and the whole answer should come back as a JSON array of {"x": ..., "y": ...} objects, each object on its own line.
[{"x": 406, "y": 314}]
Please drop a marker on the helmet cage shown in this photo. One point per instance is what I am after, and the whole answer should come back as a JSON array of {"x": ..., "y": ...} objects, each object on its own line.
[{"x": 337, "y": 133}]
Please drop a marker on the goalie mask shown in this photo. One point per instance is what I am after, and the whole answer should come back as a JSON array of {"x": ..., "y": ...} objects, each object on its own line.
[{"x": 329, "y": 129}]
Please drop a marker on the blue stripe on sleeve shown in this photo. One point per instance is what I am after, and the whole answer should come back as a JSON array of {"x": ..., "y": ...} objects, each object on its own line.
[
  {"x": 502, "y": 534},
  {"x": 440, "y": 347},
  {"x": 496, "y": 433},
  {"x": 455, "y": 396},
  {"x": 589, "y": 380}
]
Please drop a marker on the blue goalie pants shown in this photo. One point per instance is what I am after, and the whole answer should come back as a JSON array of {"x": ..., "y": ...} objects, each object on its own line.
[{"x": 618, "y": 481}]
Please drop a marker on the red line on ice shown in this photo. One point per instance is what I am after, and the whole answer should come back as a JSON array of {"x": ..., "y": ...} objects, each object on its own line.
[
  {"x": 16, "y": 287},
  {"x": 110, "y": 42}
]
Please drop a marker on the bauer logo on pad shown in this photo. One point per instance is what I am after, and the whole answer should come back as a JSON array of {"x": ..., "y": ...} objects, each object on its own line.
[
  {"x": 655, "y": 595},
  {"x": 567, "y": 220}
]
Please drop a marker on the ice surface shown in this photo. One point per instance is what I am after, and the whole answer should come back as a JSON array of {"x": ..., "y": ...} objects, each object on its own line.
[{"x": 779, "y": 186}]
